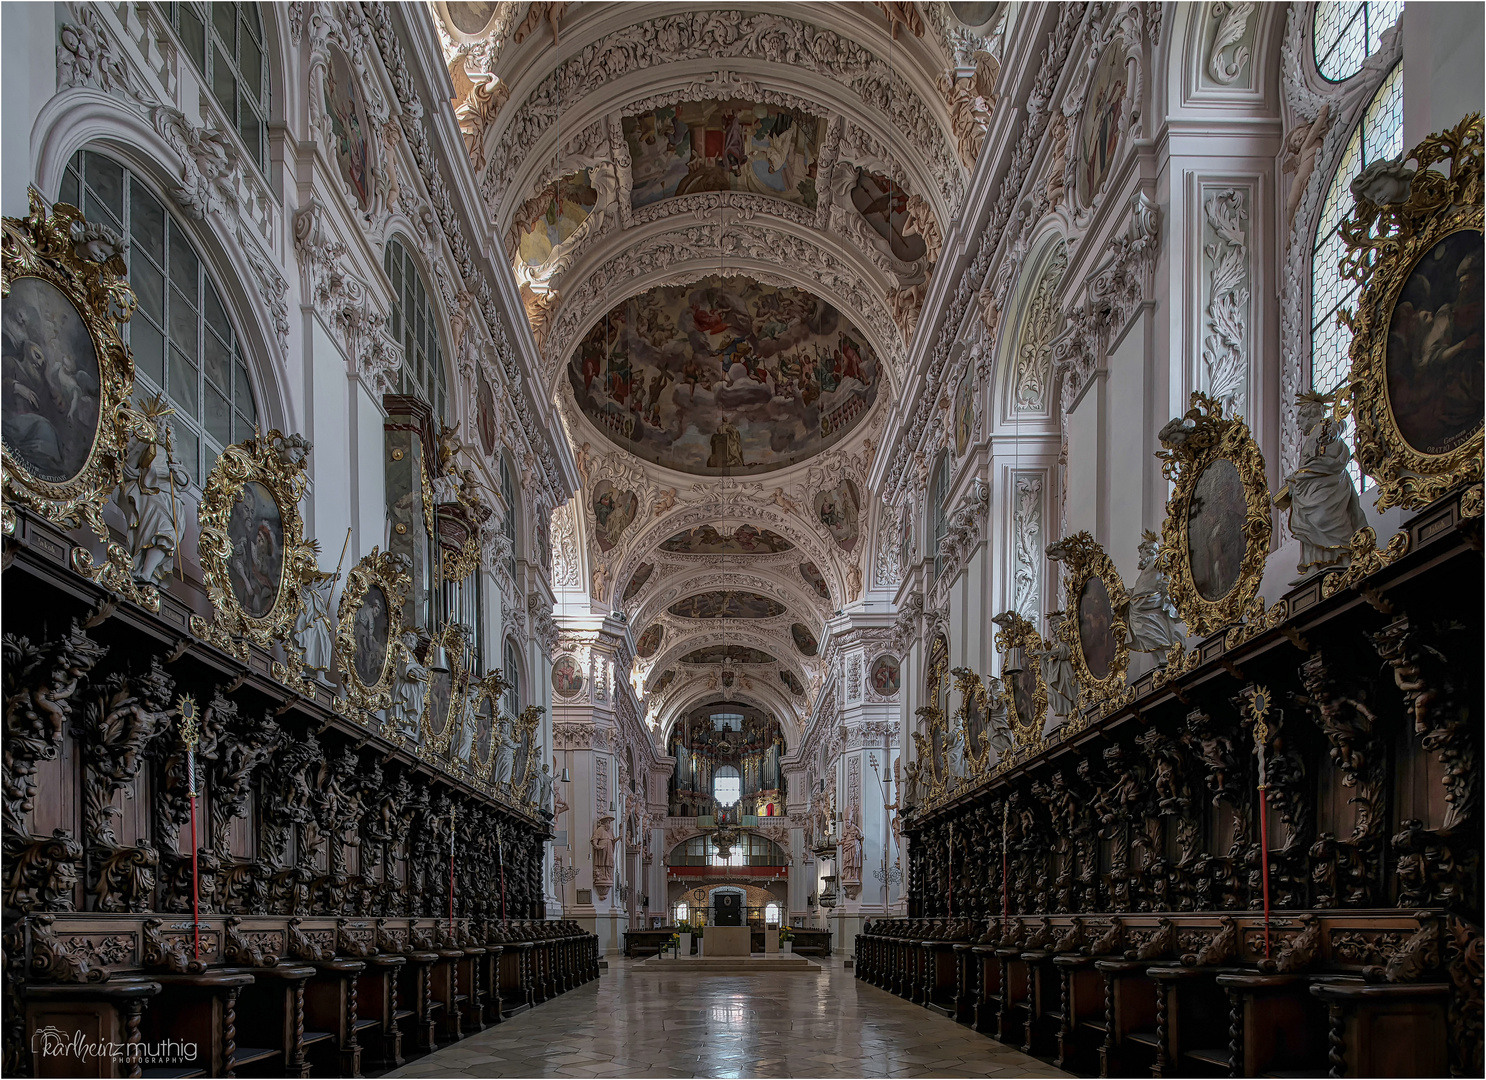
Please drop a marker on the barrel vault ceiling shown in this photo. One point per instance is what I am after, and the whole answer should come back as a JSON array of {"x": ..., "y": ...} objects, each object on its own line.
[{"x": 723, "y": 224}]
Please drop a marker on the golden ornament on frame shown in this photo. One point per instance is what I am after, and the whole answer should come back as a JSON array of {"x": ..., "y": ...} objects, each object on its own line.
[
  {"x": 1416, "y": 249},
  {"x": 67, "y": 373},
  {"x": 444, "y": 700},
  {"x": 368, "y": 639},
  {"x": 1023, "y": 691},
  {"x": 932, "y": 743},
  {"x": 1095, "y": 628},
  {"x": 484, "y": 706},
  {"x": 973, "y": 719},
  {"x": 524, "y": 766},
  {"x": 255, "y": 561},
  {"x": 1216, "y": 534}
]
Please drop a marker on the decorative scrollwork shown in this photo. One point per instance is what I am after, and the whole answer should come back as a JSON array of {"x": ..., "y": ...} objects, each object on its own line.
[
  {"x": 1202, "y": 438},
  {"x": 386, "y": 572},
  {"x": 65, "y": 267},
  {"x": 1400, "y": 216},
  {"x": 1024, "y": 693},
  {"x": 230, "y": 565},
  {"x": 1085, "y": 564}
]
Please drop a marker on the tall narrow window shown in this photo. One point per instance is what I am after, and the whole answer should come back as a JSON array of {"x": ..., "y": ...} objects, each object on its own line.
[
  {"x": 508, "y": 493},
  {"x": 511, "y": 669},
  {"x": 1378, "y": 135},
  {"x": 941, "y": 511},
  {"x": 225, "y": 42},
  {"x": 182, "y": 341},
  {"x": 415, "y": 324}
]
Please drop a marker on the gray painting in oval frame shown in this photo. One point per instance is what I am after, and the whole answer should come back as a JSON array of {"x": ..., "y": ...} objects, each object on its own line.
[
  {"x": 1216, "y": 541},
  {"x": 370, "y": 629},
  {"x": 51, "y": 379},
  {"x": 1095, "y": 628},
  {"x": 255, "y": 570}
]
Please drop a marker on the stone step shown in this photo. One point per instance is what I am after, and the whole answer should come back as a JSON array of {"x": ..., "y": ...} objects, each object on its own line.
[{"x": 758, "y": 964}]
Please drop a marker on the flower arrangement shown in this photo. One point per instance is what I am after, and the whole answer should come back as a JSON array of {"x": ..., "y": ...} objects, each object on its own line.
[{"x": 785, "y": 934}]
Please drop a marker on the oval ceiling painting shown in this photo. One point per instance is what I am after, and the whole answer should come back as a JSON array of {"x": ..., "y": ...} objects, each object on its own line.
[
  {"x": 815, "y": 579},
  {"x": 725, "y": 604},
  {"x": 650, "y": 641},
  {"x": 804, "y": 639},
  {"x": 726, "y": 375},
  {"x": 791, "y": 681},
  {"x": 637, "y": 581},
  {"x": 732, "y": 654},
  {"x": 662, "y": 681},
  {"x": 745, "y": 540}
]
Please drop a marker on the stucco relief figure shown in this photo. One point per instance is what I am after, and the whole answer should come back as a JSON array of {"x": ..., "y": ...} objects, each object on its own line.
[
  {"x": 1154, "y": 627},
  {"x": 851, "y": 851},
  {"x": 1057, "y": 669},
  {"x": 148, "y": 497},
  {"x": 1324, "y": 509},
  {"x": 603, "y": 842},
  {"x": 312, "y": 628},
  {"x": 1302, "y": 147},
  {"x": 910, "y": 784},
  {"x": 505, "y": 752},
  {"x": 409, "y": 687}
]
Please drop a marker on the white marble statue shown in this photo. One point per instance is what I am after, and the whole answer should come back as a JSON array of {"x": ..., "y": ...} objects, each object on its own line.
[
  {"x": 602, "y": 843},
  {"x": 850, "y": 847},
  {"x": 544, "y": 787},
  {"x": 505, "y": 748},
  {"x": 1324, "y": 509},
  {"x": 1154, "y": 627},
  {"x": 312, "y": 628},
  {"x": 1057, "y": 669},
  {"x": 151, "y": 505},
  {"x": 409, "y": 688}
]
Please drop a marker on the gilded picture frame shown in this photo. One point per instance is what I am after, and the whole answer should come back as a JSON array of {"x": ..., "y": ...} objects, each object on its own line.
[
  {"x": 973, "y": 719},
  {"x": 931, "y": 742},
  {"x": 525, "y": 732},
  {"x": 64, "y": 284},
  {"x": 1023, "y": 695},
  {"x": 249, "y": 508},
  {"x": 1096, "y": 629},
  {"x": 1218, "y": 519},
  {"x": 485, "y": 693},
  {"x": 360, "y": 618},
  {"x": 1414, "y": 388},
  {"x": 437, "y": 737}
]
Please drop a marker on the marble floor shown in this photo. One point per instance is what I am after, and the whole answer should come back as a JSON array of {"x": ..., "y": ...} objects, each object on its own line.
[{"x": 646, "y": 1024}]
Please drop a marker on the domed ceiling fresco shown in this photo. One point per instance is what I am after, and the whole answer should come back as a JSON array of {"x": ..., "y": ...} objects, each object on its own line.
[{"x": 726, "y": 375}]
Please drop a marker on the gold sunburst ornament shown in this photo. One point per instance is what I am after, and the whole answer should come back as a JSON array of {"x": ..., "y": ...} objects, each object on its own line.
[
  {"x": 1415, "y": 246},
  {"x": 67, "y": 373},
  {"x": 255, "y": 560},
  {"x": 368, "y": 639},
  {"x": 1096, "y": 629},
  {"x": 1216, "y": 533}
]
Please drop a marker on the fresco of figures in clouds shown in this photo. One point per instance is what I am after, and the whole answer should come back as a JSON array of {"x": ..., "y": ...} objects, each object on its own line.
[
  {"x": 695, "y": 146},
  {"x": 724, "y": 376}
]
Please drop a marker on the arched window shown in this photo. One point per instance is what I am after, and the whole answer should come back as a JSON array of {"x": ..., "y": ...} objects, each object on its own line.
[
  {"x": 508, "y": 493},
  {"x": 771, "y": 914},
  {"x": 415, "y": 324},
  {"x": 182, "y": 340},
  {"x": 225, "y": 42},
  {"x": 682, "y": 910},
  {"x": 511, "y": 671},
  {"x": 1346, "y": 34},
  {"x": 727, "y": 786},
  {"x": 941, "y": 510},
  {"x": 1378, "y": 135}
]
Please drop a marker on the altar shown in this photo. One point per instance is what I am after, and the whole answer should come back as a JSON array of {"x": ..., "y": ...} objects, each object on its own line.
[{"x": 726, "y": 941}]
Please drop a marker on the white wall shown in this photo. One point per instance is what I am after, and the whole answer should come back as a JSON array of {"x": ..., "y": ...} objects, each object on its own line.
[{"x": 1442, "y": 66}]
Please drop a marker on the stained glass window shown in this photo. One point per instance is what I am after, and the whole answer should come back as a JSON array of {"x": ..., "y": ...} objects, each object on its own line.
[
  {"x": 512, "y": 673},
  {"x": 225, "y": 42},
  {"x": 1347, "y": 33},
  {"x": 415, "y": 324},
  {"x": 1378, "y": 136},
  {"x": 182, "y": 340}
]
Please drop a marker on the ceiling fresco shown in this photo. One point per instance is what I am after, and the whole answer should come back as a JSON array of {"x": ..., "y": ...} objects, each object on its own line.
[
  {"x": 744, "y": 540},
  {"x": 725, "y": 604},
  {"x": 726, "y": 376},
  {"x": 732, "y": 654},
  {"x": 695, "y": 146}
]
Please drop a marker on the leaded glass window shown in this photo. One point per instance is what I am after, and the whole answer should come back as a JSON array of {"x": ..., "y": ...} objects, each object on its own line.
[
  {"x": 512, "y": 673},
  {"x": 1378, "y": 136},
  {"x": 414, "y": 324},
  {"x": 182, "y": 340},
  {"x": 1345, "y": 34},
  {"x": 225, "y": 42}
]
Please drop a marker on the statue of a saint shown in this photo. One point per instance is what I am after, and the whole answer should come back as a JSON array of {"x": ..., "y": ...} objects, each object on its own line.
[
  {"x": 312, "y": 628},
  {"x": 603, "y": 842},
  {"x": 1154, "y": 627},
  {"x": 149, "y": 497},
  {"x": 409, "y": 687},
  {"x": 1324, "y": 509},
  {"x": 850, "y": 848},
  {"x": 1057, "y": 669}
]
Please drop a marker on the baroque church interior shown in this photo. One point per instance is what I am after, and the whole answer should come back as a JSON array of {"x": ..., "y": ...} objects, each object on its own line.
[{"x": 792, "y": 539}]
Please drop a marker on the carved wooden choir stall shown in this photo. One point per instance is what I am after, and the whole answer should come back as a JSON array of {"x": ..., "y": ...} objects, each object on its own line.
[{"x": 217, "y": 860}]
